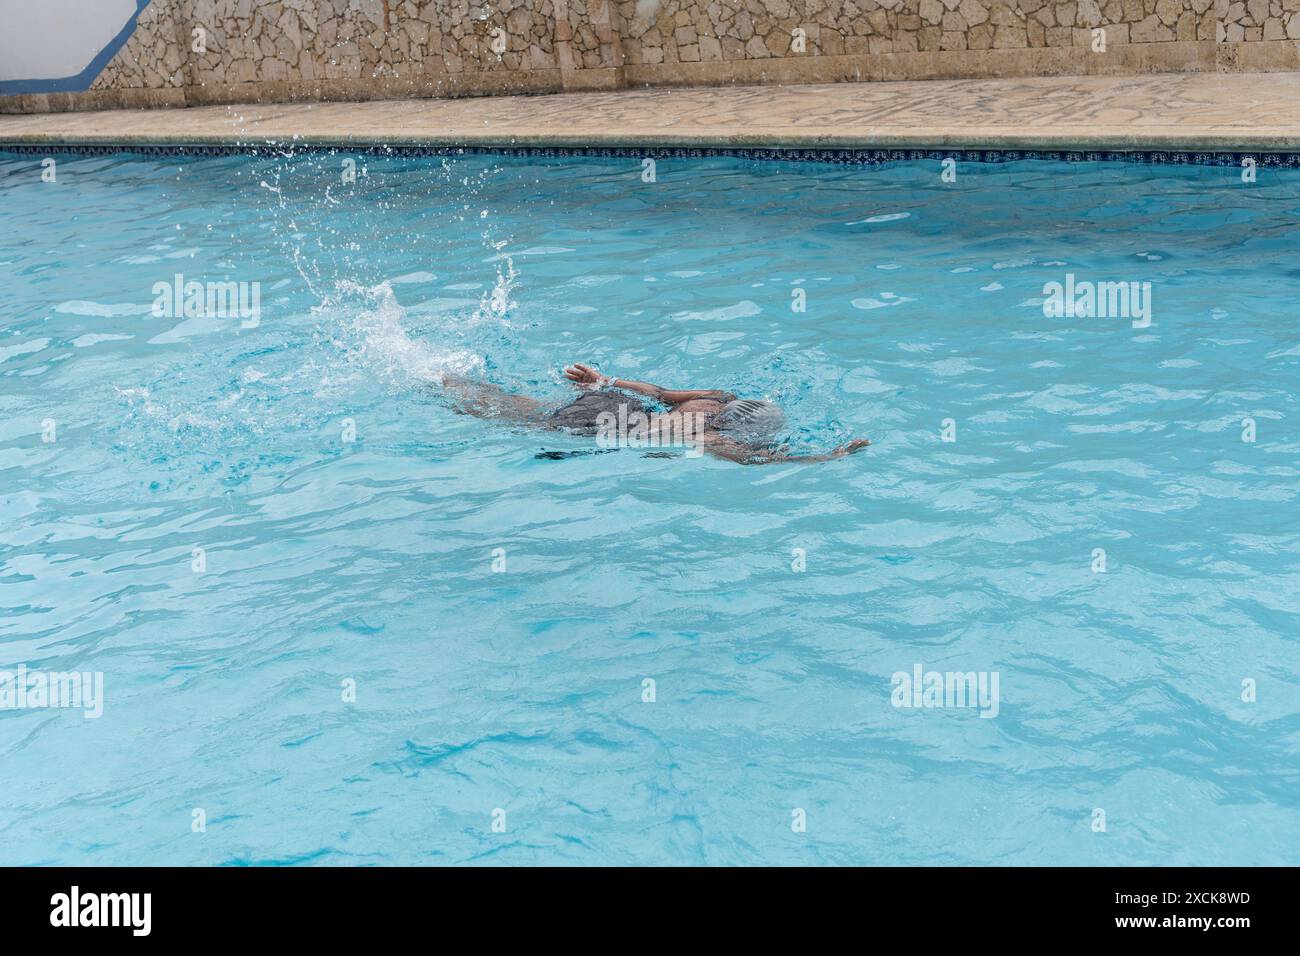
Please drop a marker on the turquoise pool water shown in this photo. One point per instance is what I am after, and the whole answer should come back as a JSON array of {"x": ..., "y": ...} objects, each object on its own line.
[{"x": 183, "y": 512}]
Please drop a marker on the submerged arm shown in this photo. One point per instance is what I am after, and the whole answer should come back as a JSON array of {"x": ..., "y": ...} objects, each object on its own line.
[
  {"x": 753, "y": 455},
  {"x": 485, "y": 400}
]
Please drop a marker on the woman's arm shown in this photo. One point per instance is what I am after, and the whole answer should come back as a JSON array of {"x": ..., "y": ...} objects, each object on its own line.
[
  {"x": 586, "y": 375},
  {"x": 671, "y": 396}
]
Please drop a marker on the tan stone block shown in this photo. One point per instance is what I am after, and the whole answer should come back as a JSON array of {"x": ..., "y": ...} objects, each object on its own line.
[
  {"x": 1169, "y": 11},
  {"x": 975, "y": 13},
  {"x": 1009, "y": 38},
  {"x": 927, "y": 39},
  {"x": 1150, "y": 30},
  {"x": 1001, "y": 15},
  {"x": 710, "y": 48}
]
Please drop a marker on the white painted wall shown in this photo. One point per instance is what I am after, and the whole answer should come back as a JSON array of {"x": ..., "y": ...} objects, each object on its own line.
[{"x": 52, "y": 39}]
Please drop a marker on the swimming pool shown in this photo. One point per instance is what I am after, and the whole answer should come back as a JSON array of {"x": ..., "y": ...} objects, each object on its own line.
[{"x": 339, "y": 624}]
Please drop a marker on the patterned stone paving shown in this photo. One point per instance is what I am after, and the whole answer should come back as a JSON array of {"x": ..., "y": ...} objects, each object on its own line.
[{"x": 1222, "y": 112}]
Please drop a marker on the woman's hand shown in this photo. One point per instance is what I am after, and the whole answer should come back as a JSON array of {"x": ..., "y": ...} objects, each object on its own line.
[
  {"x": 584, "y": 376},
  {"x": 854, "y": 446}
]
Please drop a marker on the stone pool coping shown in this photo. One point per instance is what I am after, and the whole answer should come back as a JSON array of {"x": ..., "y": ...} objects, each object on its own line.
[{"x": 1194, "y": 113}]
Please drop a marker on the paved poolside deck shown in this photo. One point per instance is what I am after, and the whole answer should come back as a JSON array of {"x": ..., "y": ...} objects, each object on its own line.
[{"x": 1197, "y": 111}]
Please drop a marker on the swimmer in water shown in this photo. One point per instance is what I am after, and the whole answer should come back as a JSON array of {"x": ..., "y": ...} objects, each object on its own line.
[{"x": 740, "y": 430}]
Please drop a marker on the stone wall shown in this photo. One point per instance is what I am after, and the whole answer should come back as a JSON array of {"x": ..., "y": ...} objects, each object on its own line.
[
  {"x": 696, "y": 31},
  {"x": 187, "y": 52}
]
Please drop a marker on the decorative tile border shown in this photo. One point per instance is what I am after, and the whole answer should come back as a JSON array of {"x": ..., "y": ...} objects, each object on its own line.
[{"x": 855, "y": 157}]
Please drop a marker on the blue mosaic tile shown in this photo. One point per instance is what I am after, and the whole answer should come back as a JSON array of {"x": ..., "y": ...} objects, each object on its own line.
[{"x": 840, "y": 155}]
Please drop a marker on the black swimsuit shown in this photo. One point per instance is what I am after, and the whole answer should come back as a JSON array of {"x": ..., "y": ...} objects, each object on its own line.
[{"x": 580, "y": 416}]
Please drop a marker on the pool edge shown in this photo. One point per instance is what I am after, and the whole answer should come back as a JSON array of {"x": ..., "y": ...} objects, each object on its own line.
[{"x": 1282, "y": 151}]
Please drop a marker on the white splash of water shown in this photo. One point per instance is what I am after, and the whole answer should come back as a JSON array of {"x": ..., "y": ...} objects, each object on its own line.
[
  {"x": 375, "y": 337},
  {"x": 497, "y": 303},
  {"x": 174, "y": 419}
]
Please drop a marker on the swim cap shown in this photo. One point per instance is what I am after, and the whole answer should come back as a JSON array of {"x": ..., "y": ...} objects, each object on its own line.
[{"x": 750, "y": 419}]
